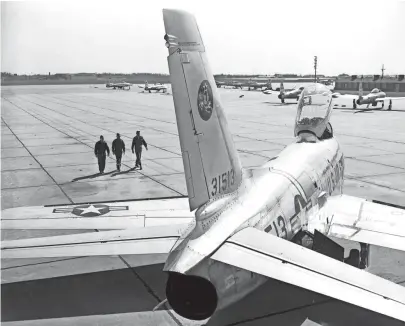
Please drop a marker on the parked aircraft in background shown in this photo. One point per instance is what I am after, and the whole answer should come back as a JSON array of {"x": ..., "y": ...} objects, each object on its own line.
[
  {"x": 234, "y": 84},
  {"x": 374, "y": 97},
  {"x": 220, "y": 83},
  {"x": 119, "y": 85},
  {"x": 250, "y": 84},
  {"x": 289, "y": 94},
  {"x": 238, "y": 226},
  {"x": 157, "y": 87},
  {"x": 259, "y": 85}
]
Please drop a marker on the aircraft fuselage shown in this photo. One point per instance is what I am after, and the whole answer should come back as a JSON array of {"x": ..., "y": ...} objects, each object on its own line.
[
  {"x": 119, "y": 85},
  {"x": 260, "y": 85},
  {"x": 276, "y": 198},
  {"x": 370, "y": 98},
  {"x": 156, "y": 88},
  {"x": 294, "y": 94}
]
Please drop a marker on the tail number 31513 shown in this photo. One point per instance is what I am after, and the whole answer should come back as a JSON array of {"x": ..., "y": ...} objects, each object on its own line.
[{"x": 222, "y": 182}]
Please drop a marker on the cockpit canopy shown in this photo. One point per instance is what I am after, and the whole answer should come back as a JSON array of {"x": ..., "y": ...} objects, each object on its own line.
[
  {"x": 314, "y": 109},
  {"x": 375, "y": 90}
]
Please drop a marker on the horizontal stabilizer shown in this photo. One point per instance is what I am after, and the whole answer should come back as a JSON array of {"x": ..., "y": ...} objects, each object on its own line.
[{"x": 150, "y": 240}]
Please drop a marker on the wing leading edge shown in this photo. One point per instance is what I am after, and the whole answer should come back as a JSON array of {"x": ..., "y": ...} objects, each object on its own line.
[
  {"x": 382, "y": 99},
  {"x": 279, "y": 259}
]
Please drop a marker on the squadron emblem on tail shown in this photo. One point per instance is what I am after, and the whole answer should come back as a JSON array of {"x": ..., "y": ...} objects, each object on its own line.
[{"x": 205, "y": 100}]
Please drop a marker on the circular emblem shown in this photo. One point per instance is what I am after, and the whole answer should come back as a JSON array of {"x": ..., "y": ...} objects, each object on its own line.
[
  {"x": 205, "y": 100},
  {"x": 90, "y": 210}
]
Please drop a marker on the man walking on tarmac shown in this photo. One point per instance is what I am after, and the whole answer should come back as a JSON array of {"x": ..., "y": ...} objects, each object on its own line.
[
  {"x": 118, "y": 148},
  {"x": 99, "y": 150},
  {"x": 137, "y": 143}
]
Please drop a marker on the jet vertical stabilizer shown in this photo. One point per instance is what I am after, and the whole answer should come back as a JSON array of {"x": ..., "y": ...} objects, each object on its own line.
[
  {"x": 361, "y": 89},
  {"x": 211, "y": 163},
  {"x": 269, "y": 86}
]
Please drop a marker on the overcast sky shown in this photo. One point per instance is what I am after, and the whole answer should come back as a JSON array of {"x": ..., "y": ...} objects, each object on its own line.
[{"x": 255, "y": 36}]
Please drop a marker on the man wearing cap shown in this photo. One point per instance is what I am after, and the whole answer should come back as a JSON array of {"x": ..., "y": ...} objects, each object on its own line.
[
  {"x": 99, "y": 150},
  {"x": 137, "y": 143},
  {"x": 118, "y": 148}
]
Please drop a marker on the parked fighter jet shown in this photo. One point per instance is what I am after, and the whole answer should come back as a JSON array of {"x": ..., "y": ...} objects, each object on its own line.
[
  {"x": 157, "y": 87},
  {"x": 235, "y": 84},
  {"x": 119, "y": 85},
  {"x": 220, "y": 83},
  {"x": 258, "y": 85},
  {"x": 250, "y": 84},
  {"x": 243, "y": 225},
  {"x": 290, "y": 94},
  {"x": 374, "y": 97}
]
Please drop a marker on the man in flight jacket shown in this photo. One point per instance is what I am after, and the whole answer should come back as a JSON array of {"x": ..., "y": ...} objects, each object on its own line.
[
  {"x": 118, "y": 148},
  {"x": 137, "y": 143},
  {"x": 99, "y": 150}
]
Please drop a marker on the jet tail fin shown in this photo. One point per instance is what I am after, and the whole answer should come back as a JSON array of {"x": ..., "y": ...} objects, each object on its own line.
[
  {"x": 360, "y": 89},
  {"x": 282, "y": 88},
  {"x": 269, "y": 86},
  {"x": 211, "y": 163}
]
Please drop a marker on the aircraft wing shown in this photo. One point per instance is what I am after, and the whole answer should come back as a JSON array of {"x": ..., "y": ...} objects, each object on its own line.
[
  {"x": 365, "y": 221},
  {"x": 268, "y": 255},
  {"x": 348, "y": 96},
  {"x": 101, "y": 216},
  {"x": 148, "y": 240},
  {"x": 382, "y": 99}
]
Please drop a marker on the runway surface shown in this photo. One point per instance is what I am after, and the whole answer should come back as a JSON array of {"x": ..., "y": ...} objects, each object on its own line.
[{"x": 48, "y": 136}]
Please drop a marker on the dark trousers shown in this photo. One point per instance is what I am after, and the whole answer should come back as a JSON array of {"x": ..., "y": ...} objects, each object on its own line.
[
  {"x": 138, "y": 158},
  {"x": 118, "y": 158},
  {"x": 101, "y": 162}
]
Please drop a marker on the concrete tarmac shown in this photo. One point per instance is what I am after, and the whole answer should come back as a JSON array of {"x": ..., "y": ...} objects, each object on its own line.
[{"x": 48, "y": 136}]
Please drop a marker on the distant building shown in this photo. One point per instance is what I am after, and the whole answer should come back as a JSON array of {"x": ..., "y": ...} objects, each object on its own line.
[
  {"x": 313, "y": 76},
  {"x": 285, "y": 75},
  {"x": 387, "y": 84}
]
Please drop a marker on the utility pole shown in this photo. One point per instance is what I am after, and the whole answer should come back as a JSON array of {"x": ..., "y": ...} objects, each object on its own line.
[
  {"x": 315, "y": 65},
  {"x": 382, "y": 71}
]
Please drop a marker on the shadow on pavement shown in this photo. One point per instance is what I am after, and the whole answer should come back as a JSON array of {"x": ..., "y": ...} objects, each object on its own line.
[
  {"x": 123, "y": 172},
  {"x": 92, "y": 176}
]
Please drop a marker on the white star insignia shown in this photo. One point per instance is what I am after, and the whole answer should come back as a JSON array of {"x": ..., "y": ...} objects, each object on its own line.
[{"x": 90, "y": 209}]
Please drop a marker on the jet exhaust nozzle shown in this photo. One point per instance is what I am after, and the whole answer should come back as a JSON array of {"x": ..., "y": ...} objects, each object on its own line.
[{"x": 192, "y": 297}]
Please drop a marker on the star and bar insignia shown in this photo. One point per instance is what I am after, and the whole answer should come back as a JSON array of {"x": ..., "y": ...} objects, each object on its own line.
[{"x": 90, "y": 210}]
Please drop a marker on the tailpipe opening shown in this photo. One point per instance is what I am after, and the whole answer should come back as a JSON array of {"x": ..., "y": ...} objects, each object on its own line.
[{"x": 190, "y": 296}]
